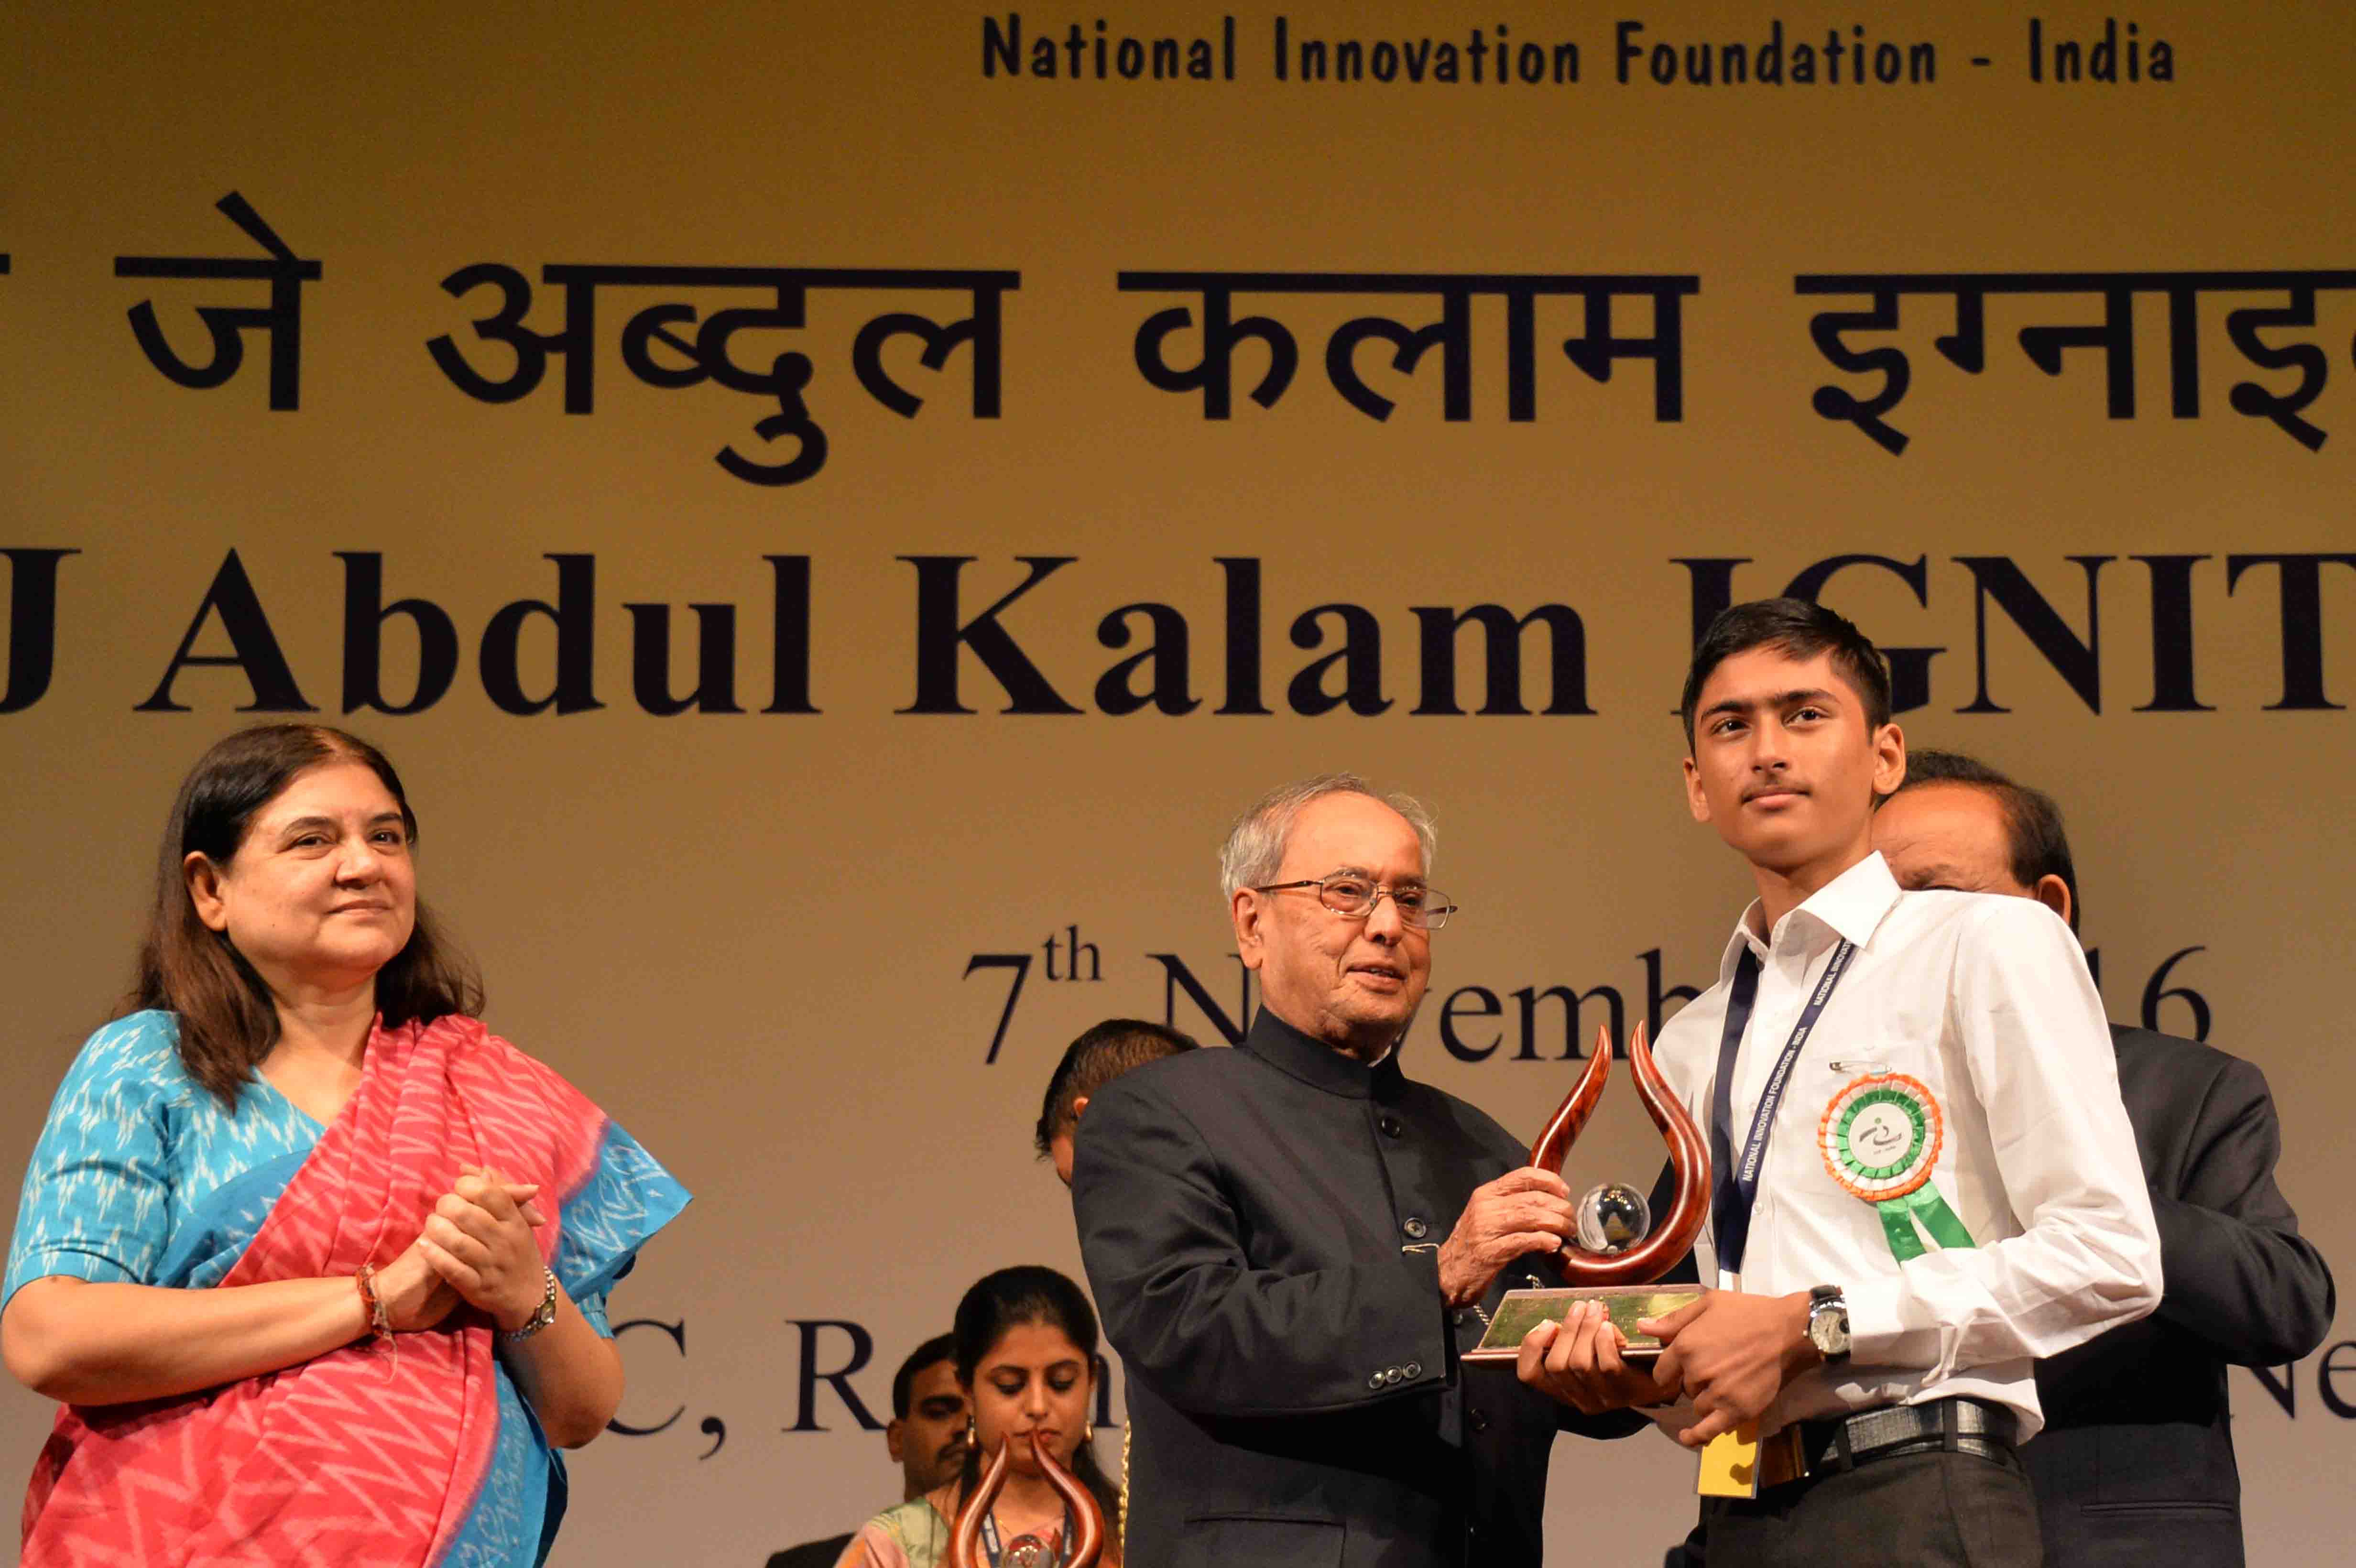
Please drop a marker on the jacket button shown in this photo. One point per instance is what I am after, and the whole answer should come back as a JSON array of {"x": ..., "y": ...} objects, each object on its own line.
[
  {"x": 1416, "y": 1228},
  {"x": 1375, "y": 1380},
  {"x": 1392, "y": 1126},
  {"x": 1478, "y": 1420},
  {"x": 1393, "y": 1375},
  {"x": 1414, "y": 1369}
]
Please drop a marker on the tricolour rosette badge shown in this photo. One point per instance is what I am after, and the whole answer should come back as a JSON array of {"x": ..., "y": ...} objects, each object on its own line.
[{"x": 1881, "y": 1137}]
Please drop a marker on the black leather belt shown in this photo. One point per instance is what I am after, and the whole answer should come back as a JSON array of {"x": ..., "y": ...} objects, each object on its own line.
[{"x": 1956, "y": 1425}]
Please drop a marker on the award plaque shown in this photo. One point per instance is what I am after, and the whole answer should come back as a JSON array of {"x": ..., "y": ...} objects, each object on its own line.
[
  {"x": 1614, "y": 1259},
  {"x": 1523, "y": 1310},
  {"x": 1080, "y": 1505}
]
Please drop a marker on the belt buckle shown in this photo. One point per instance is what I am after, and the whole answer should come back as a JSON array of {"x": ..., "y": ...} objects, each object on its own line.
[{"x": 1782, "y": 1459}]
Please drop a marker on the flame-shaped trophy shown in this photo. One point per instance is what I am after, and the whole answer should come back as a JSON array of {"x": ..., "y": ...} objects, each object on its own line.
[
  {"x": 1028, "y": 1550},
  {"x": 1614, "y": 1260}
]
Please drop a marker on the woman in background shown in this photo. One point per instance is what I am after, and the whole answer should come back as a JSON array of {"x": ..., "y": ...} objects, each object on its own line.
[
  {"x": 1026, "y": 1350},
  {"x": 316, "y": 1263}
]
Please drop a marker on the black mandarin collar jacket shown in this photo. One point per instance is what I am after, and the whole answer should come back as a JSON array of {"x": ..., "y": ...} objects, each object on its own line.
[{"x": 1261, "y": 1229}]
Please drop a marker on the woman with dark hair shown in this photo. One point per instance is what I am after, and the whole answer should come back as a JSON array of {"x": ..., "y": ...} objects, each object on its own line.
[
  {"x": 316, "y": 1263},
  {"x": 1026, "y": 1354}
]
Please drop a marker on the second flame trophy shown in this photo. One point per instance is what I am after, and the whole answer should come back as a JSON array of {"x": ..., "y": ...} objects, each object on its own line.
[
  {"x": 1614, "y": 1259},
  {"x": 1078, "y": 1547}
]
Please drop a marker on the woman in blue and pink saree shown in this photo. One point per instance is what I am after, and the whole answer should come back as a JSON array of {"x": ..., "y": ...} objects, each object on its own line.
[{"x": 316, "y": 1263}]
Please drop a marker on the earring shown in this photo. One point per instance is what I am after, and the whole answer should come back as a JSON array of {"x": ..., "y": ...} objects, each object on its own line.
[
  {"x": 973, "y": 1438},
  {"x": 1088, "y": 1433}
]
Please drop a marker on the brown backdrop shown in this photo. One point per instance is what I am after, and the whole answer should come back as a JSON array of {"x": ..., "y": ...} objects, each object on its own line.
[{"x": 754, "y": 935}]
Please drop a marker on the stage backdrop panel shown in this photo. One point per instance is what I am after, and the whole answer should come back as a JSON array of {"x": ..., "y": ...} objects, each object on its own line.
[{"x": 832, "y": 513}]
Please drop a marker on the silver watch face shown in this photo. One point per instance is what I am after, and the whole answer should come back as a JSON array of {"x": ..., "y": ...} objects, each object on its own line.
[{"x": 1828, "y": 1328}]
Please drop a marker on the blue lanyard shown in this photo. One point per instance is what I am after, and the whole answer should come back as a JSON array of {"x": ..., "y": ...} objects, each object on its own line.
[{"x": 1736, "y": 1188}]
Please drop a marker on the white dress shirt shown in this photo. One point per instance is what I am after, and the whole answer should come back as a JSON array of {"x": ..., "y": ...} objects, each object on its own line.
[{"x": 1987, "y": 1001}]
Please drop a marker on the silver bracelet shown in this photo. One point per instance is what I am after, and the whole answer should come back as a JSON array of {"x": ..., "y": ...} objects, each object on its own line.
[{"x": 540, "y": 1320}]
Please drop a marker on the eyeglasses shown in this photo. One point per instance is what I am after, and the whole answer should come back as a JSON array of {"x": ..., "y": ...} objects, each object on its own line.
[{"x": 1354, "y": 897}]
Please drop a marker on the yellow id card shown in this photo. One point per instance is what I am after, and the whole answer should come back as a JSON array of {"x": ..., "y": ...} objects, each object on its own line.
[{"x": 1729, "y": 1464}]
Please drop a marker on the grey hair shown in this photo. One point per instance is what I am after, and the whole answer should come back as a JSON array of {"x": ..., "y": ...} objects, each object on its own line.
[{"x": 1255, "y": 845}]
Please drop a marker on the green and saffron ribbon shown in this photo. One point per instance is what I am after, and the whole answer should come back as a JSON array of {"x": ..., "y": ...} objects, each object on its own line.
[
  {"x": 1881, "y": 1136},
  {"x": 1899, "y": 1216}
]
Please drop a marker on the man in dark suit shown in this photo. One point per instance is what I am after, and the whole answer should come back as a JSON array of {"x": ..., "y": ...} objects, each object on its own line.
[
  {"x": 2135, "y": 1463},
  {"x": 1291, "y": 1243},
  {"x": 925, "y": 1439}
]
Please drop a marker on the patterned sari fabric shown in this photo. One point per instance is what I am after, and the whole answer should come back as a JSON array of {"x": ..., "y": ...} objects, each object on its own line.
[
  {"x": 913, "y": 1535},
  {"x": 422, "y": 1454}
]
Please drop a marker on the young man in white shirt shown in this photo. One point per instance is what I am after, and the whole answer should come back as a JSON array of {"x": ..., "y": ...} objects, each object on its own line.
[{"x": 1944, "y": 1185}]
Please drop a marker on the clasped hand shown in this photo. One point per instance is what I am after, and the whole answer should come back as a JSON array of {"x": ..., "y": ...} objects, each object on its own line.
[{"x": 477, "y": 1247}]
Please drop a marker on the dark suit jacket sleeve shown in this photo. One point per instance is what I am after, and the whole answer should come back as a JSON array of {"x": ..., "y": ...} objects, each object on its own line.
[
  {"x": 2236, "y": 1271},
  {"x": 1211, "y": 1334}
]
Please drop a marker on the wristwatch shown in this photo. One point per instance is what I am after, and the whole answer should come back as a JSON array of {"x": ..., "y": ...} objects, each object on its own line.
[
  {"x": 1828, "y": 1323},
  {"x": 540, "y": 1320}
]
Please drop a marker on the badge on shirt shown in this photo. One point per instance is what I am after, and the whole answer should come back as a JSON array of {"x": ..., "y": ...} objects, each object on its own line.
[{"x": 1881, "y": 1136}]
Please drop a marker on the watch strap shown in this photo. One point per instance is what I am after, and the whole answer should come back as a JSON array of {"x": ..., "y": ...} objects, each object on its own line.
[{"x": 540, "y": 1318}]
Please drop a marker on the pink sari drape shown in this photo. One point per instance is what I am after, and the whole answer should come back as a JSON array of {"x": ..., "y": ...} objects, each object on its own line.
[{"x": 360, "y": 1455}]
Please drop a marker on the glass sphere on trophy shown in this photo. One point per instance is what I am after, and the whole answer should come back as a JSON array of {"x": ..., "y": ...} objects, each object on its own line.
[
  {"x": 1611, "y": 1217},
  {"x": 1618, "y": 1252}
]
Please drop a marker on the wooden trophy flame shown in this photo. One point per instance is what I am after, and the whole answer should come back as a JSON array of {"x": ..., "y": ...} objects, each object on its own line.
[
  {"x": 965, "y": 1541},
  {"x": 1688, "y": 1156}
]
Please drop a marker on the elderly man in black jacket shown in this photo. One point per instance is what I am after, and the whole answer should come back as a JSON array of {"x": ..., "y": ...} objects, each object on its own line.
[
  {"x": 1291, "y": 1242},
  {"x": 2135, "y": 1463}
]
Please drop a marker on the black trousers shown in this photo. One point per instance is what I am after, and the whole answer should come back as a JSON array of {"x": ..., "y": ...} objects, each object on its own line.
[{"x": 1932, "y": 1509}]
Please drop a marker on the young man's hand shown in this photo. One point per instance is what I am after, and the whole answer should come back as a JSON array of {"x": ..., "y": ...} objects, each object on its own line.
[
  {"x": 1731, "y": 1354},
  {"x": 1579, "y": 1364}
]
